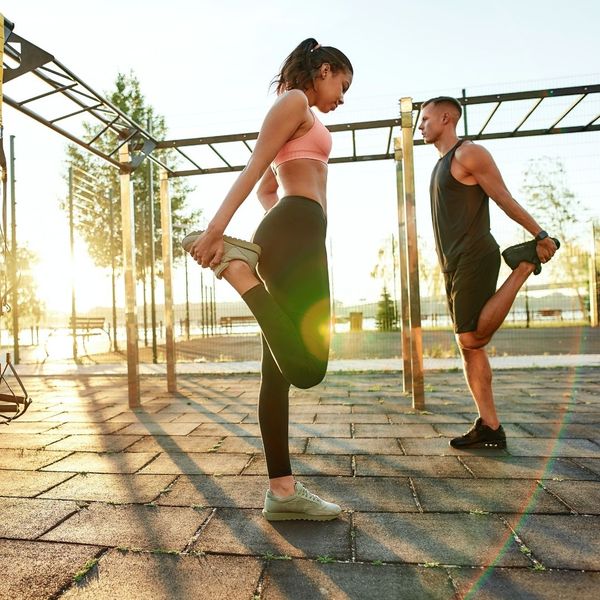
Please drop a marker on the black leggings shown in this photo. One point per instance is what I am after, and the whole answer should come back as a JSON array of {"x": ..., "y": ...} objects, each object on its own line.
[{"x": 292, "y": 307}]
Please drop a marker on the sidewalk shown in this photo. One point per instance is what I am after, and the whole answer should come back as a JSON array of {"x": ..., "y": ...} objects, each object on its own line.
[
  {"x": 100, "y": 502},
  {"x": 335, "y": 366}
]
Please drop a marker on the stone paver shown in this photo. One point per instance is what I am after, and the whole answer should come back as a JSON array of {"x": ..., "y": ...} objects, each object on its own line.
[
  {"x": 29, "y": 483},
  {"x": 28, "y": 518},
  {"x": 33, "y": 570},
  {"x": 410, "y": 466},
  {"x": 553, "y": 447},
  {"x": 30, "y": 441},
  {"x": 112, "y": 462},
  {"x": 245, "y": 491},
  {"x": 235, "y": 531},
  {"x": 491, "y": 495},
  {"x": 28, "y": 460},
  {"x": 254, "y": 445},
  {"x": 511, "y": 467},
  {"x": 561, "y": 541},
  {"x": 344, "y": 581},
  {"x": 150, "y": 428},
  {"x": 95, "y": 443},
  {"x": 166, "y": 577},
  {"x": 440, "y": 447},
  {"x": 353, "y": 446},
  {"x": 582, "y": 496},
  {"x": 165, "y": 443},
  {"x": 145, "y": 527},
  {"x": 197, "y": 463},
  {"x": 493, "y": 584},
  {"x": 304, "y": 464},
  {"x": 456, "y": 539},
  {"x": 225, "y": 429},
  {"x": 110, "y": 488},
  {"x": 148, "y": 491}
]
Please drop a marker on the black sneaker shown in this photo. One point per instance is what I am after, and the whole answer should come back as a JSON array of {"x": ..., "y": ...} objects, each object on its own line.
[
  {"x": 525, "y": 252},
  {"x": 480, "y": 436}
]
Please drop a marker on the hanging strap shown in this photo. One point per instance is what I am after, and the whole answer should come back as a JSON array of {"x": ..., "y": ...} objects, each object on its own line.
[
  {"x": 2, "y": 155},
  {"x": 4, "y": 177}
]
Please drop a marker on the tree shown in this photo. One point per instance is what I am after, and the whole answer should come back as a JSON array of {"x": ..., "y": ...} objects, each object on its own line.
[
  {"x": 547, "y": 193},
  {"x": 30, "y": 308},
  {"x": 97, "y": 183},
  {"x": 386, "y": 317}
]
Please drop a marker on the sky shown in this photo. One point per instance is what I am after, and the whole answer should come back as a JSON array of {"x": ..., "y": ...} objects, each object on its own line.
[{"x": 206, "y": 66}]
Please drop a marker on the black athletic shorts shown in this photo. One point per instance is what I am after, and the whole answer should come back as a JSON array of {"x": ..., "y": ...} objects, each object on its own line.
[{"x": 469, "y": 287}]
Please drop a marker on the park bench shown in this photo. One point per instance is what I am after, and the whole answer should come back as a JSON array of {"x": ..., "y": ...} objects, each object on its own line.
[
  {"x": 550, "y": 313},
  {"x": 82, "y": 327},
  {"x": 87, "y": 326},
  {"x": 229, "y": 322}
]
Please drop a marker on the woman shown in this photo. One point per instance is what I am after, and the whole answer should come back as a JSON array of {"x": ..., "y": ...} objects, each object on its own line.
[{"x": 282, "y": 275}]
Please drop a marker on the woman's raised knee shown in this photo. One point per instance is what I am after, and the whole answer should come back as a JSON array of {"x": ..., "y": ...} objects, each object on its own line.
[{"x": 309, "y": 377}]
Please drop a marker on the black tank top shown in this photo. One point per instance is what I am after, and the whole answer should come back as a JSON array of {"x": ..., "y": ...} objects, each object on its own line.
[{"x": 461, "y": 217}]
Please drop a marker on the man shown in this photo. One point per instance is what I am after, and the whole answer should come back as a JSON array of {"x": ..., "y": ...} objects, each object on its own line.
[{"x": 462, "y": 182}]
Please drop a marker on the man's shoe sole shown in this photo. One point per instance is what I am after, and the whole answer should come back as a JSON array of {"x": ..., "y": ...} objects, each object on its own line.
[
  {"x": 291, "y": 516},
  {"x": 479, "y": 445}
]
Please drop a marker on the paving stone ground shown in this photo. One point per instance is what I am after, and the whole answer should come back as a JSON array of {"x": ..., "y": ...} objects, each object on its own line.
[{"x": 164, "y": 502}]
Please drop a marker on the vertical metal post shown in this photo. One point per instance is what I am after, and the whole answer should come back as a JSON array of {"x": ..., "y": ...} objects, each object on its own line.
[
  {"x": 13, "y": 250},
  {"x": 143, "y": 261},
  {"x": 113, "y": 269},
  {"x": 187, "y": 298},
  {"x": 72, "y": 247},
  {"x": 404, "y": 298},
  {"x": 465, "y": 123},
  {"x": 202, "y": 318},
  {"x": 595, "y": 276},
  {"x": 128, "y": 226},
  {"x": 416, "y": 341},
  {"x": 214, "y": 305},
  {"x": 152, "y": 256},
  {"x": 167, "y": 256}
]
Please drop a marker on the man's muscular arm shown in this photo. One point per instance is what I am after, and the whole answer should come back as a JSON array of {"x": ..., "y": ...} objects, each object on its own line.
[{"x": 478, "y": 162}]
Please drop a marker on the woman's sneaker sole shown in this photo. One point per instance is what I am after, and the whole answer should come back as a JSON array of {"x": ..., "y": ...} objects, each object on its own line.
[
  {"x": 235, "y": 249},
  {"x": 270, "y": 516}
]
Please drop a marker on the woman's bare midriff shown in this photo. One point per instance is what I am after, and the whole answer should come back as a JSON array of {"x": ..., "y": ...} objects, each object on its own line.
[{"x": 304, "y": 177}]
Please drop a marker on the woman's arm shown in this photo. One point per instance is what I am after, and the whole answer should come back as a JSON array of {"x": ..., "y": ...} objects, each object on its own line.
[
  {"x": 284, "y": 118},
  {"x": 267, "y": 190}
]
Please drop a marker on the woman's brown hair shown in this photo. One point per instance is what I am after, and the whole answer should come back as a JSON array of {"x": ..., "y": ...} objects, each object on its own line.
[{"x": 301, "y": 67}]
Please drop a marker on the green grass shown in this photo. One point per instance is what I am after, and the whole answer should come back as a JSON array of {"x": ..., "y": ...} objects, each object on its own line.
[
  {"x": 89, "y": 565},
  {"x": 271, "y": 556}
]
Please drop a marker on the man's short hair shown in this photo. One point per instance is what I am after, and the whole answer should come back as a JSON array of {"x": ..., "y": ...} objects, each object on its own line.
[{"x": 449, "y": 100}]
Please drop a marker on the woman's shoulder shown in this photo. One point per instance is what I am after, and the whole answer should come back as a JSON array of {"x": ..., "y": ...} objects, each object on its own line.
[{"x": 293, "y": 100}]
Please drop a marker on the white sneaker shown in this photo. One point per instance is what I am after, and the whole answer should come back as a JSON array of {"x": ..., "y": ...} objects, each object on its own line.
[{"x": 302, "y": 505}]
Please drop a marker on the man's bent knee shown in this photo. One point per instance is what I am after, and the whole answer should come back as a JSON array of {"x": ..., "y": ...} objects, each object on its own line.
[{"x": 471, "y": 341}]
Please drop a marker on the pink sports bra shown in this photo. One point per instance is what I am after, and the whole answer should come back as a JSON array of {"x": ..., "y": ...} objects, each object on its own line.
[{"x": 314, "y": 144}]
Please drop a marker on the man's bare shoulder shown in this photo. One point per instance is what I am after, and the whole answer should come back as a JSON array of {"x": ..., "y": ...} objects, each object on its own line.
[{"x": 470, "y": 154}]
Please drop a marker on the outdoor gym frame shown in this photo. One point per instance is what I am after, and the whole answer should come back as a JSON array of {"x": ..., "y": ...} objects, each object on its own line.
[{"x": 135, "y": 144}]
